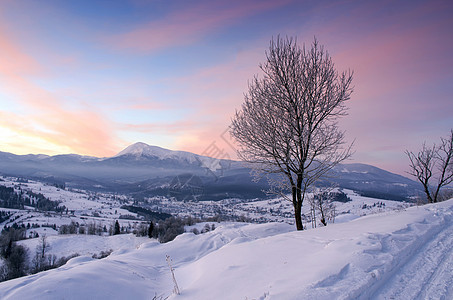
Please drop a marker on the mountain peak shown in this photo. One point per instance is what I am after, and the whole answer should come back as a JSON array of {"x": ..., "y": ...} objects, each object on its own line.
[{"x": 142, "y": 149}]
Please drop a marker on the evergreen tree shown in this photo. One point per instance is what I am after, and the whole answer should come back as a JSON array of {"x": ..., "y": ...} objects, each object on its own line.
[{"x": 117, "y": 228}]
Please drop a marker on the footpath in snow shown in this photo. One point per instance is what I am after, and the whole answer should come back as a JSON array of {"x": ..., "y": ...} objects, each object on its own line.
[{"x": 405, "y": 254}]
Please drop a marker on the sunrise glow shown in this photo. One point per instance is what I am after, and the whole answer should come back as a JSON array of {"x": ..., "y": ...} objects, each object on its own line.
[{"x": 92, "y": 77}]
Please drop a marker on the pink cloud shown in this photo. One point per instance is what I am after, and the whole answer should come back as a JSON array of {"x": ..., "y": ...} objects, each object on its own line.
[
  {"x": 187, "y": 26},
  {"x": 208, "y": 99},
  {"x": 166, "y": 128},
  {"x": 13, "y": 60},
  {"x": 214, "y": 93},
  {"x": 144, "y": 103},
  {"x": 398, "y": 67},
  {"x": 387, "y": 66},
  {"x": 391, "y": 63}
]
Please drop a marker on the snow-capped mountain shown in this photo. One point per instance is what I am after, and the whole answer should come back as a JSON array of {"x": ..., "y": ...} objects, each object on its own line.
[
  {"x": 142, "y": 150},
  {"x": 145, "y": 170}
]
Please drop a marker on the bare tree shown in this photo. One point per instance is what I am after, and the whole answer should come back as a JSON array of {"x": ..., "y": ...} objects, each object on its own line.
[
  {"x": 43, "y": 246},
  {"x": 433, "y": 164},
  {"x": 288, "y": 122},
  {"x": 42, "y": 260},
  {"x": 321, "y": 201}
]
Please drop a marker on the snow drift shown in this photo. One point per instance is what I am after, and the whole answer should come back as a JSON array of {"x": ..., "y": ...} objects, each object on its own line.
[{"x": 405, "y": 254}]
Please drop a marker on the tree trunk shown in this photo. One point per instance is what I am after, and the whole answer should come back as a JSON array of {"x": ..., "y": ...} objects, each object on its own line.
[
  {"x": 298, "y": 203},
  {"x": 428, "y": 194},
  {"x": 297, "y": 209},
  {"x": 436, "y": 194},
  {"x": 298, "y": 216}
]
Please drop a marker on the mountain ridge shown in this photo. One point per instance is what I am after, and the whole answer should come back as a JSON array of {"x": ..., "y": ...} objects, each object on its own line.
[{"x": 145, "y": 171}]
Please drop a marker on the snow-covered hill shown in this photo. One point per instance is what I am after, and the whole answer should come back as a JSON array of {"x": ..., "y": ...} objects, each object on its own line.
[{"x": 406, "y": 254}]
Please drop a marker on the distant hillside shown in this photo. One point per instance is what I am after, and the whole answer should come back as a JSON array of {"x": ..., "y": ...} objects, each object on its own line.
[{"x": 143, "y": 170}]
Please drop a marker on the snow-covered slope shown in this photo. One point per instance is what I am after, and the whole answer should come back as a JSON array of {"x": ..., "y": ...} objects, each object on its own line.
[
  {"x": 405, "y": 254},
  {"x": 79, "y": 244}
]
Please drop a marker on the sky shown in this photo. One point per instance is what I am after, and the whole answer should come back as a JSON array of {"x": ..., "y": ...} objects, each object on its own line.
[{"x": 92, "y": 77}]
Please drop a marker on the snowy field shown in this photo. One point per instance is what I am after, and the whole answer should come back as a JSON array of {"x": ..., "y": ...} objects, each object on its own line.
[{"x": 401, "y": 254}]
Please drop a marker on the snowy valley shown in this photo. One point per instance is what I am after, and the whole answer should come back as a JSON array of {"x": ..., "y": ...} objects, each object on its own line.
[
  {"x": 373, "y": 248},
  {"x": 399, "y": 253},
  {"x": 79, "y": 239}
]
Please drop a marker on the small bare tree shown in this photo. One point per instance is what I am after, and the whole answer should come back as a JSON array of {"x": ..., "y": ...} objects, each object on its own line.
[
  {"x": 43, "y": 246},
  {"x": 433, "y": 163},
  {"x": 42, "y": 260},
  {"x": 288, "y": 122},
  {"x": 321, "y": 202}
]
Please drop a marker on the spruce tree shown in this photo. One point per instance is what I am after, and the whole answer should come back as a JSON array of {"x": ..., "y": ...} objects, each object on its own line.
[{"x": 117, "y": 228}]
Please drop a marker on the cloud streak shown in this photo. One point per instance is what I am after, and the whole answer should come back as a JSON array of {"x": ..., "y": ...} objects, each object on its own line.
[{"x": 186, "y": 26}]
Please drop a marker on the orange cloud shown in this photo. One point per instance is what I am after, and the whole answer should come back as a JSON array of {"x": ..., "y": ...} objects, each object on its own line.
[{"x": 44, "y": 118}]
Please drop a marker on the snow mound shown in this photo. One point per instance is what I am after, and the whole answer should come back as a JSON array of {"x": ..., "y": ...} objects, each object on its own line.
[{"x": 393, "y": 255}]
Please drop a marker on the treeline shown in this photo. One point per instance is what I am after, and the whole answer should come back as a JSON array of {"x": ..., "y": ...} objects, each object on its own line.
[
  {"x": 31, "y": 234},
  {"x": 164, "y": 231},
  {"x": 4, "y": 215},
  {"x": 149, "y": 215},
  {"x": 93, "y": 228},
  {"x": 14, "y": 256},
  {"x": 382, "y": 195},
  {"x": 90, "y": 229},
  {"x": 9, "y": 198},
  {"x": 168, "y": 229},
  {"x": 340, "y": 197}
]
